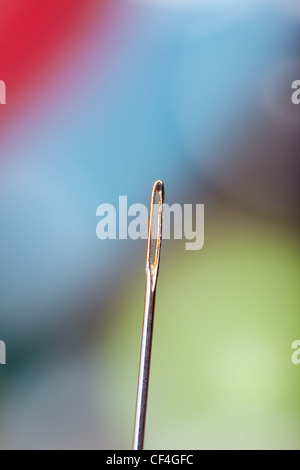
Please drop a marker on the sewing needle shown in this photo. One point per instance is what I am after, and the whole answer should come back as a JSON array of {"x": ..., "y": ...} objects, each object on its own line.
[{"x": 153, "y": 250}]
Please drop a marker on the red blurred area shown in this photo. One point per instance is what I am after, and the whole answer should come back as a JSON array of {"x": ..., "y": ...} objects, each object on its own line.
[{"x": 36, "y": 36}]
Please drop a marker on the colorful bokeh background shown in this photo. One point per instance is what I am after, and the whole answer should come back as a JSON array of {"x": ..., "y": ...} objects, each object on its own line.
[{"x": 104, "y": 97}]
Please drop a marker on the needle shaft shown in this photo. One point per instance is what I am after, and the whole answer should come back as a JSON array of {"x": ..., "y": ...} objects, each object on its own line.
[{"x": 153, "y": 250}]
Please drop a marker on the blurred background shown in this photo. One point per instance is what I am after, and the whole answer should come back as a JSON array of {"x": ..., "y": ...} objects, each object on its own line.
[{"x": 104, "y": 97}]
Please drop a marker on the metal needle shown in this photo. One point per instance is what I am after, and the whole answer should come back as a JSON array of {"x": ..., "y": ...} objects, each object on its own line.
[{"x": 153, "y": 250}]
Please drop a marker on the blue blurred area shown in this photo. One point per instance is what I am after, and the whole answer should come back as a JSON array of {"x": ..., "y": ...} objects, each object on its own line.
[{"x": 179, "y": 85}]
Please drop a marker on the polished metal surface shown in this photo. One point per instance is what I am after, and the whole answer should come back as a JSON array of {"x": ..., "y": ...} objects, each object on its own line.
[{"x": 153, "y": 250}]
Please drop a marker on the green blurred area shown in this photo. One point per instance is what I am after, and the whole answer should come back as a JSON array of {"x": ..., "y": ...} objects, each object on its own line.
[{"x": 226, "y": 317}]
